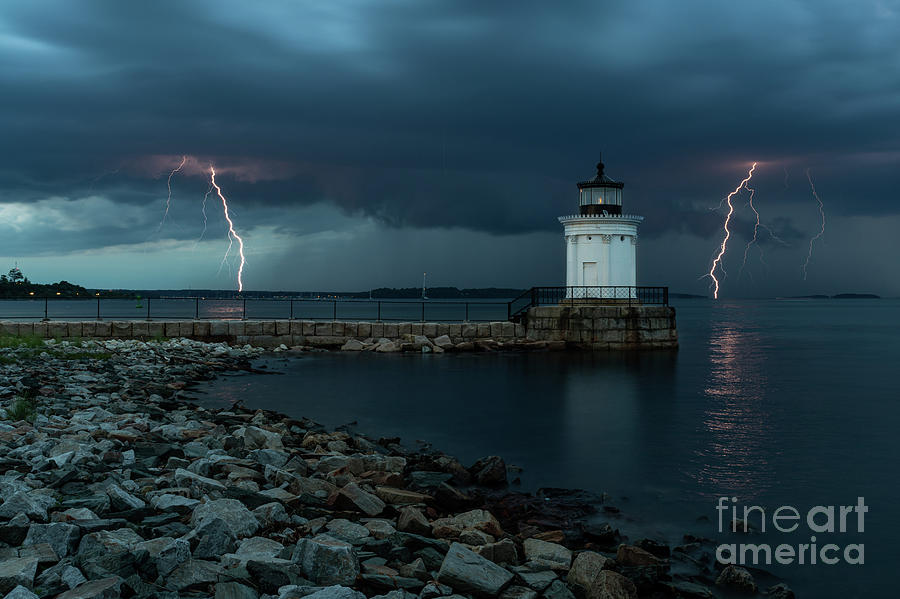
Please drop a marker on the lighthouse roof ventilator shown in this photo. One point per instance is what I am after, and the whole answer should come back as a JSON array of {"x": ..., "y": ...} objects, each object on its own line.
[{"x": 601, "y": 242}]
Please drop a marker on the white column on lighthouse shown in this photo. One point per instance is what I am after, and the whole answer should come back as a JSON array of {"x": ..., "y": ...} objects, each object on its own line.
[{"x": 601, "y": 239}]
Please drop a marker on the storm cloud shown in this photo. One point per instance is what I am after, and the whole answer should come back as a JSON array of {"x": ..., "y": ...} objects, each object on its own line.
[{"x": 398, "y": 122}]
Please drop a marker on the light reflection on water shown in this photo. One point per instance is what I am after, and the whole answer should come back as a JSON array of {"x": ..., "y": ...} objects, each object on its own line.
[{"x": 735, "y": 459}]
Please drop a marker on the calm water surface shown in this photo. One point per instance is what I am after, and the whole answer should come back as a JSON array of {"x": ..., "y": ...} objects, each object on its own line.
[{"x": 773, "y": 402}]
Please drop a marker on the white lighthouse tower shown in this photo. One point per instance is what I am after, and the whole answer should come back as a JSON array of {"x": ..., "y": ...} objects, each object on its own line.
[{"x": 601, "y": 242}]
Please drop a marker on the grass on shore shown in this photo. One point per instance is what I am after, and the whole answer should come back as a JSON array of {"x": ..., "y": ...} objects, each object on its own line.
[
  {"x": 17, "y": 341},
  {"x": 30, "y": 346},
  {"x": 21, "y": 408}
]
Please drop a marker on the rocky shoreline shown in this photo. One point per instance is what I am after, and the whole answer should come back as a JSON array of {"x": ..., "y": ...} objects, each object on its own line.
[{"x": 114, "y": 485}]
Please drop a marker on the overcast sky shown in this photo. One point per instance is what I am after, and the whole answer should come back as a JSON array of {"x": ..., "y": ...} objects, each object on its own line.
[{"x": 361, "y": 143}]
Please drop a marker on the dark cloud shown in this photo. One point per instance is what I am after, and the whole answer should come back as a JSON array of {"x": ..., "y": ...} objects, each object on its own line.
[{"x": 476, "y": 115}]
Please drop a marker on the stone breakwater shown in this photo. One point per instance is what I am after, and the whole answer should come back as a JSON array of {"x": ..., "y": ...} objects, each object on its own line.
[
  {"x": 115, "y": 486},
  {"x": 544, "y": 328}
]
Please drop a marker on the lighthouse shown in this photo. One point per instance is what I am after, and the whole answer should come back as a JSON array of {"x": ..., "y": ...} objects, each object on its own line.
[{"x": 601, "y": 242}]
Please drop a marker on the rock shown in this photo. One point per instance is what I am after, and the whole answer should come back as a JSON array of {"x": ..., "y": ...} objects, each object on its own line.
[
  {"x": 395, "y": 496},
  {"x": 234, "y": 590},
  {"x": 683, "y": 589},
  {"x": 353, "y": 345},
  {"x": 517, "y": 592},
  {"x": 737, "y": 579},
  {"x": 538, "y": 580},
  {"x": 336, "y": 592},
  {"x": 471, "y": 536},
  {"x": 168, "y": 502},
  {"x": 388, "y": 347},
  {"x": 105, "y": 588},
  {"x": 72, "y": 577},
  {"x": 481, "y": 520},
  {"x": 186, "y": 478},
  {"x": 216, "y": 539},
  {"x": 232, "y": 512},
  {"x": 352, "y": 497},
  {"x": 584, "y": 572},
  {"x": 380, "y": 529},
  {"x": 501, "y": 552},
  {"x": 601, "y": 533},
  {"x": 344, "y": 530},
  {"x": 558, "y": 590},
  {"x": 326, "y": 560},
  {"x": 468, "y": 572},
  {"x": 33, "y": 504},
  {"x": 610, "y": 585},
  {"x": 20, "y": 592},
  {"x": 443, "y": 342},
  {"x": 629, "y": 555},
  {"x": 780, "y": 591},
  {"x": 167, "y": 553},
  {"x": 272, "y": 514},
  {"x": 194, "y": 573},
  {"x": 63, "y": 538},
  {"x": 120, "y": 500},
  {"x": 14, "y": 531},
  {"x": 413, "y": 521},
  {"x": 555, "y": 556},
  {"x": 17, "y": 571},
  {"x": 108, "y": 553},
  {"x": 258, "y": 438},
  {"x": 489, "y": 471}
]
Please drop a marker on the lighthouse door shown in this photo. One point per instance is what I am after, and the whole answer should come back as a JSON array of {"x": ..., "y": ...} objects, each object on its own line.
[{"x": 589, "y": 273}]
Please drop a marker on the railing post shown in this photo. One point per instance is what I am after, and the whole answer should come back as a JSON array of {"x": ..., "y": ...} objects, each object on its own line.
[
  {"x": 244, "y": 309},
  {"x": 46, "y": 308},
  {"x": 467, "y": 312},
  {"x": 423, "y": 310},
  {"x": 334, "y": 310},
  {"x": 378, "y": 318},
  {"x": 148, "y": 308},
  {"x": 98, "y": 308},
  {"x": 292, "y": 309},
  {"x": 196, "y": 308}
]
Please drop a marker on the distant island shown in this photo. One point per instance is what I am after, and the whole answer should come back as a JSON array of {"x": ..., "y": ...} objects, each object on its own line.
[{"x": 837, "y": 296}]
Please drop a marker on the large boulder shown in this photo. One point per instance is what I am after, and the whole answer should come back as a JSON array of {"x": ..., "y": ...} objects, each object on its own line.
[
  {"x": 489, "y": 471},
  {"x": 326, "y": 560},
  {"x": 584, "y": 572},
  {"x": 352, "y": 497},
  {"x": 465, "y": 571},
  {"x": 258, "y": 438},
  {"x": 33, "y": 504}
]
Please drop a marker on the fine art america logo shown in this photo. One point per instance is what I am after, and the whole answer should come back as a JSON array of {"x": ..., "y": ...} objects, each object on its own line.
[{"x": 820, "y": 520}]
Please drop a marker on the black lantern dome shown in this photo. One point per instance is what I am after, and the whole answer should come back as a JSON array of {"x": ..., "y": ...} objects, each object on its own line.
[{"x": 601, "y": 195}]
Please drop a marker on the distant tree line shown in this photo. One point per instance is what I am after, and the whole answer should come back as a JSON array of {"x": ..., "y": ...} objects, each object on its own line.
[{"x": 15, "y": 284}]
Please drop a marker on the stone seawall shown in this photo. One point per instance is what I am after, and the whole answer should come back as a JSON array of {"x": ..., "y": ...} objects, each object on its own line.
[
  {"x": 268, "y": 333},
  {"x": 604, "y": 327},
  {"x": 553, "y": 327}
]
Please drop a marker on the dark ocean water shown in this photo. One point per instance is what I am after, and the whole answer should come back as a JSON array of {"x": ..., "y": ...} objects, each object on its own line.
[{"x": 777, "y": 403}]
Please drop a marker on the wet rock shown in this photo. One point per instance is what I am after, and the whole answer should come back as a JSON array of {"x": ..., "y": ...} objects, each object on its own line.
[
  {"x": 468, "y": 572},
  {"x": 326, "y": 560},
  {"x": 683, "y": 589},
  {"x": 584, "y": 572},
  {"x": 489, "y": 471},
  {"x": 629, "y": 555},
  {"x": 63, "y": 538},
  {"x": 353, "y": 345}
]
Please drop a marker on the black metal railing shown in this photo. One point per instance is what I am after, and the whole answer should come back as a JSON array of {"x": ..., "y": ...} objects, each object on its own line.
[
  {"x": 176, "y": 308},
  {"x": 586, "y": 294}
]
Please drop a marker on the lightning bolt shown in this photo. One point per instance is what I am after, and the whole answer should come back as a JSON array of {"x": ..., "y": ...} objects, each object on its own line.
[
  {"x": 718, "y": 260},
  {"x": 232, "y": 234},
  {"x": 756, "y": 227},
  {"x": 203, "y": 209},
  {"x": 169, "y": 187},
  {"x": 821, "y": 232}
]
